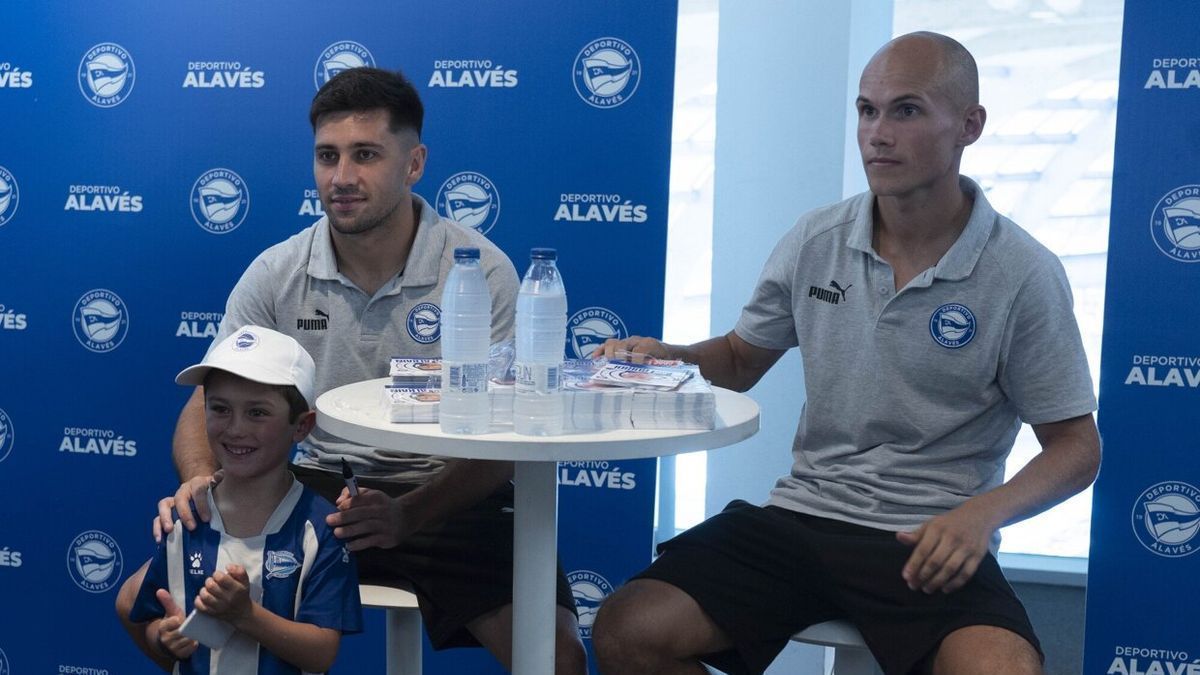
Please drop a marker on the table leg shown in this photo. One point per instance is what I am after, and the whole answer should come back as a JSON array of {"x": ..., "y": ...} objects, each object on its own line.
[{"x": 535, "y": 558}]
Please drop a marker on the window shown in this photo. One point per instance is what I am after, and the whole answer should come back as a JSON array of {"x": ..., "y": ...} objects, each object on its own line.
[{"x": 1048, "y": 78}]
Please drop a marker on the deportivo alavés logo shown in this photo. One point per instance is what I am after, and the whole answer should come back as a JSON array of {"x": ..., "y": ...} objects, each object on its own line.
[
  {"x": 106, "y": 75},
  {"x": 281, "y": 564},
  {"x": 101, "y": 320},
  {"x": 8, "y": 436},
  {"x": 245, "y": 341},
  {"x": 590, "y": 327},
  {"x": 1175, "y": 224},
  {"x": 220, "y": 201},
  {"x": 425, "y": 323},
  {"x": 1166, "y": 518},
  {"x": 607, "y": 72},
  {"x": 952, "y": 325},
  {"x": 94, "y": 561},
  {"x": 340, "y": 56},
  {"x": 589, "y": 590},
  {"x": 10, "y": 195},
  {"x": 471, "y": 199}
]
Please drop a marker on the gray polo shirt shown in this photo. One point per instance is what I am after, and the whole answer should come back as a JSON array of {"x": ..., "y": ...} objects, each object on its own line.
[
  {"x": 914, "y": 397},
  {"x": 295, "y": 288}
]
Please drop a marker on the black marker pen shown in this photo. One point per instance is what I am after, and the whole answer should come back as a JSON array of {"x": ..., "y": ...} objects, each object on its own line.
[{"x": 348, "y": 476}]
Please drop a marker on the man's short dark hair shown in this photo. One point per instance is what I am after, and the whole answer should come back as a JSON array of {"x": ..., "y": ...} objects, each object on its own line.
[{"x": 362, "y": 89}]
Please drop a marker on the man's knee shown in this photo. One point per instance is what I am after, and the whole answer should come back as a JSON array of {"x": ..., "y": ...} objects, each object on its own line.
[
  {"x": 570, "y": 658},
  {"x": 986, "y": 650},
  {"x": 647, "y": 622}
]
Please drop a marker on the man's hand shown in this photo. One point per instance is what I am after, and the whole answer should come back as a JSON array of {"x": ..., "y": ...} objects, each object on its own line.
[
  {"x": 947, "y": 550},
  {"x": 226, "y": 595},
  {"x": 194, "y": 490},
  {"x": 169, "y": 639},
  {"x": 635, "y": 346},
  {"x": 370, "y": 519}
]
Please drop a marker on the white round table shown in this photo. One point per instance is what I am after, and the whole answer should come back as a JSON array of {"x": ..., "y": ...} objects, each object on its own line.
[{"x": 356, "y": 412}]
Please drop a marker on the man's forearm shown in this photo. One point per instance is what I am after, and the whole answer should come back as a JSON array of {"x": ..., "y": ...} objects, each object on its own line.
[
  {"x": 460, "y": 484},
  {"x": 727, "y": 360},
  {"x": 1066, "y": 465},
  {"x": 190, "y": 450}
]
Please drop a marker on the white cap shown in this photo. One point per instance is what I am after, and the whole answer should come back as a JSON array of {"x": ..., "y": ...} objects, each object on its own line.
[{"x": 258, "y": 354}]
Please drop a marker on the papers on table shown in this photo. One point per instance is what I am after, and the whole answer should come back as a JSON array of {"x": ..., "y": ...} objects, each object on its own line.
[{"x": 598, "y": 396}]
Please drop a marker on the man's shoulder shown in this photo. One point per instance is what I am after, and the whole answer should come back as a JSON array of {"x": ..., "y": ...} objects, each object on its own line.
[
  {"x": 838, "y": 216},
  {"x": 1018, "y": 252},
  {"x": 296, "y": 247}
]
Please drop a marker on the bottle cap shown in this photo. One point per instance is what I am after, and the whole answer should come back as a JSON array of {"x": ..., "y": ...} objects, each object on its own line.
[
  {"x": 543, "y": 254},
  {"x": 467, "y": 252}
]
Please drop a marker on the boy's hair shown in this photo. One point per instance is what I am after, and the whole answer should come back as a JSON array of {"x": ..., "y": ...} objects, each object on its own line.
[
  {"x": 297, "y": 405},
  {"x": 366, "y": 88}
]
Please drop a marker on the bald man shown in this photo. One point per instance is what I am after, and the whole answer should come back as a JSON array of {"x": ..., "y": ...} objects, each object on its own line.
[{"x": 931, "y": 328}]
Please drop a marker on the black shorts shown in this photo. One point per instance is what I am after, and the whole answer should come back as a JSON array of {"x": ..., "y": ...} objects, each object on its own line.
[
  {"x": 764, "y": 574},
  {"x": 459, "y": 569}
]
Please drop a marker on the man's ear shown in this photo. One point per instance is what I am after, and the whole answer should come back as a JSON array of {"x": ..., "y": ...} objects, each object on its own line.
[
  {"x": 973, "y": 120},
  {"x": 416, "y": 165}
]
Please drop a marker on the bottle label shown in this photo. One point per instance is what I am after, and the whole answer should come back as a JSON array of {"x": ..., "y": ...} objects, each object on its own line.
[
  {"x": 537, "y": 378},
  {"x": 468, "y": 378}
]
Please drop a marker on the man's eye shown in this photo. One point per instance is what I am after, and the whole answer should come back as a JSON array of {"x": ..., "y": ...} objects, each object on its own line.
[{"x": 366, "y": 154}]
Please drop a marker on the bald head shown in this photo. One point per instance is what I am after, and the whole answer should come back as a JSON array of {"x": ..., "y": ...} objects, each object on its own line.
[{"x": 949, "y": 66}]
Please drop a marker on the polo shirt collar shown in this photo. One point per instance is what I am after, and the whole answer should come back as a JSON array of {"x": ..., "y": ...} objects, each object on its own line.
[
  {"x": 960, "y": 260},
  {"x": 424, "y": 260}
]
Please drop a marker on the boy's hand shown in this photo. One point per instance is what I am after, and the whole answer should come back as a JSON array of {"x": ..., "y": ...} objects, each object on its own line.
[
  {"x": 192, "y": 491},
  {"x": 226, "y": 595},
  {"x": 370, "y": 519},
  {"x": 169, "y": 638}
]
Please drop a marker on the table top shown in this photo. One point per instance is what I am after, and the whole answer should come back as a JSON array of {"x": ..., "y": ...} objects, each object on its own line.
[{"x": 355, "y": 412}]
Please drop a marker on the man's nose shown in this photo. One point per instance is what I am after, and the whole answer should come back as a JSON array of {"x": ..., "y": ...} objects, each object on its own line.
[{"x": 344, "y": 173}]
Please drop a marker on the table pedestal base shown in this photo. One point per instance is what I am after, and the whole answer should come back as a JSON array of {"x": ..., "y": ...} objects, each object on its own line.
[{"x": 535, "y": 565}]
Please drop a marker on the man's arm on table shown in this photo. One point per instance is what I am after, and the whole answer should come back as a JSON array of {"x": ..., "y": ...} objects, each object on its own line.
[
  {"x": 374, "y": 519},
  {"x": 947, "y": 549},
  {"x": 726, "y": 360}
]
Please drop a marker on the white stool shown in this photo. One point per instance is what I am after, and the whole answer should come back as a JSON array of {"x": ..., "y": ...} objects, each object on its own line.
[
  {"x": 850, "y": 653},
  {"x": 403, "y": 626}
]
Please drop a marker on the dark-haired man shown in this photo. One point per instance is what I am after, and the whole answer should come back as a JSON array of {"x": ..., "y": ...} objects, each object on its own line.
[
  {"x": 374, "y": 269},
  {"x": 955, "y": 327}
]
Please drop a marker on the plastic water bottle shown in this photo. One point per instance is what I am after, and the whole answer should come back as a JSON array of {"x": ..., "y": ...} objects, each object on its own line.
[
  {"x": 466, "y": 336},
  {"x": 541, "y": 338}
]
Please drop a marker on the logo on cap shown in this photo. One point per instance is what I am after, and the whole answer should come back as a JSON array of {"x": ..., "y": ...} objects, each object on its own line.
[
  {"x": 106, "y": 75},
  {"x": 101, "y": 320},
  {"x": 245, "y": 341}
]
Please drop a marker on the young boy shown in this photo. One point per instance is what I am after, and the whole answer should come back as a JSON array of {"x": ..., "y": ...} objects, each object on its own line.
[{"x": 266, "y": 565}]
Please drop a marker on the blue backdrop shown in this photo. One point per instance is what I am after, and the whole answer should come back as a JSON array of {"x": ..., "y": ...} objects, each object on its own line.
[
  {"x": 1146, "y": 509},
  {"x": 148, "y": 156}
]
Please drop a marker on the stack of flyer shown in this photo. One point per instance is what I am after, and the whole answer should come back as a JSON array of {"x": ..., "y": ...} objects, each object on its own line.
[
  {"x": 598, "y": 395},
  {"x": 665, "y": 394},
  {"x": 414, "y": 392}
]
